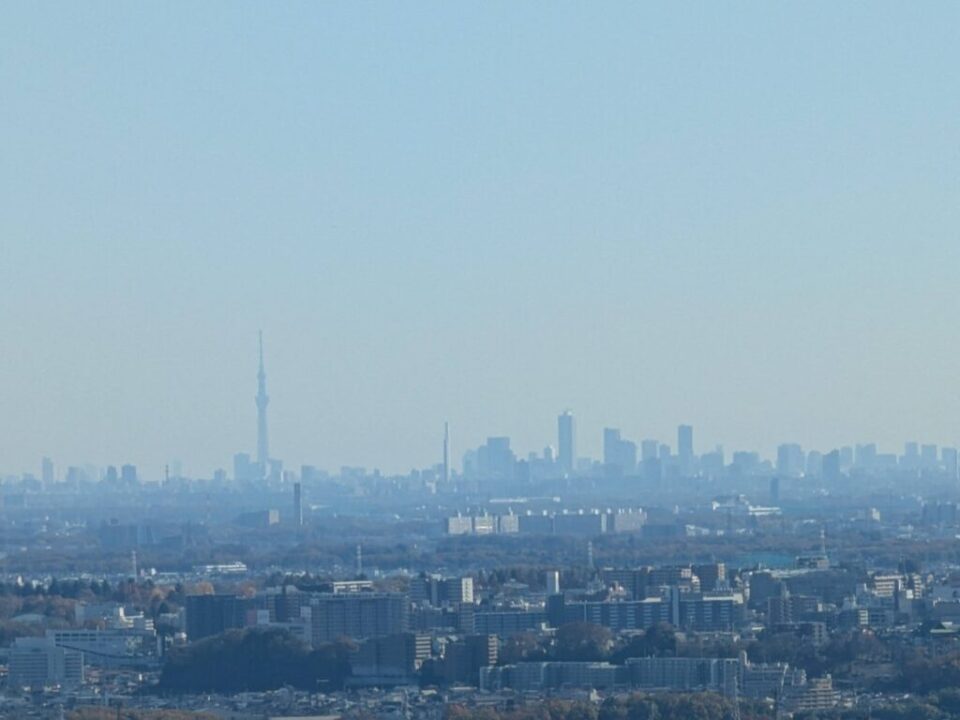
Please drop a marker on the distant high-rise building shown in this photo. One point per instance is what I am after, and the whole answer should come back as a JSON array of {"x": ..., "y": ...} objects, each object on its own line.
[
  {"x": 831, "y": 465},
  {"x": 949, "y": 457},
  {"x": 297, "y": 505},
  {"x": 911, "y": 455},
  {"x": 208, "y": 615},
  {"x": 437, "y": 590},
  {"x": 712, "y": 463},
  {"x": 745, "y": 462},
  {"x": 446, "y": 453},
  {"x": 774, "y": 490},
  {"x": 611, "y": 445},
  {"x": 566, "y": 442},
  {"x": 628, "y": 456},
  {"x": 37, "y": 663},
  {"x": 76, "y": 476},
  {"x": 495, "y": 459},
  {"x": 928, "y": 456},
  {"x": 274, "y": 470},
  {"x": 790, "y": 460},
  {"x": 464, "y": 658},
  {"x": 358, "y": 615},
  {"x": 263, "y": 447},
  {"x": 128, "y": 474},
  {"x": 648, "y": 449},
  {"x": 619, "y": 455},
  {"x": 245, "y": 469},
  {"x": 471, "y": 464},
  {"x": 309, "y": 474},
  {"x": 685, "y": 446},
  {"x": 846, "y": 458},
  {"x": 865, "y": 456},
  {"x": 47, "y": 473}
]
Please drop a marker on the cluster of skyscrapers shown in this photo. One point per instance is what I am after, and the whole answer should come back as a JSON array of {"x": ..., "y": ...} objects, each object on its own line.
[
  {"x": 496, "y": 460},
  {"x": 622, "y": 457}
]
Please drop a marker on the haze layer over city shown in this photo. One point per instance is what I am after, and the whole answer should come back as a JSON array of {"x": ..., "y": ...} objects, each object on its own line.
[
  {"x": 736, "y": 217},
  {"x": 479, "y": 361}
]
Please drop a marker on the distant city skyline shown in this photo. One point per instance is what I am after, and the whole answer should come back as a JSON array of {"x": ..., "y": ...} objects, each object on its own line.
[
  {"x": 480, "y": 360},
  {"x": 616, "y": 451},
  {"x": 737, "y": 217}
]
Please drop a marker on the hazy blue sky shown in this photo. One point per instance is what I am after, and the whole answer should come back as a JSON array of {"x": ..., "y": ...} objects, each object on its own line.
[{"x": 738, "y": 215}]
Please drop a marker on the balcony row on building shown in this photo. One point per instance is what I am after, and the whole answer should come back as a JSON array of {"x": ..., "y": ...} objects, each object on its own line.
[
  {"x": 701, "y": 612},
  {"x": 731, "y": 677},
  {"x": 397, "y": 659},
  {"x": 583, "y": 522}
]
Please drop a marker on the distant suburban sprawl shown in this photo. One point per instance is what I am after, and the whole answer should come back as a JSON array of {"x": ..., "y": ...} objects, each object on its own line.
[
  {"x": 812, "y": 584},
  {"x": 497, "y": 360}
]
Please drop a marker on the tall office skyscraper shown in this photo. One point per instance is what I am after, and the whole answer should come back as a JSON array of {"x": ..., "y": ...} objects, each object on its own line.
[
  {"x": 446, "y": 453},
  {"x": 263, "y": 448},
  {"x": 831, "y": 465},
  {"x": 128, "y": 475},
  {"x": 648, "y": 449},
  {"x": 495, "y": 459},
  {"x": 790, "y": 460},
  {"x": 865, "y": 456},
  {"x": 297, "y": 505},
  {"x": 566, "y": 441},
  {"x": 949, "y": 457},
  {"x": 619, "y": 455},
  {"x": 46, "y": 472},
  {"x": 611, "y": 446},
  {"x": 911, "y": 455},
  {"x": 685, "y": 445}
]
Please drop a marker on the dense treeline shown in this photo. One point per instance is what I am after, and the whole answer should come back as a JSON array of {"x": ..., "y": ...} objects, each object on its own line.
[
  {"x": 100, "y": 713},
  {"x": 944, "y": 705},
  {"x": 637, "y": 706},
  {"x": 254, "y": 660},
  {"x": 55, "y": 602},
  {"x": 923, "y": 674},
  {"x": 30, "y": 597},
  {"x": 330, "y": 545},
  {"x": 707, "y": 706},
  {"x": 75, "y": 589}
]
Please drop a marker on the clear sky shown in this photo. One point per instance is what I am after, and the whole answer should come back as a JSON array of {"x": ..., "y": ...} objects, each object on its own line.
[{"x": 739, "y": 215}]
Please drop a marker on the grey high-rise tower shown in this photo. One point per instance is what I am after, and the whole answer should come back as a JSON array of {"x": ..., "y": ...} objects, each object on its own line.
[
  {"x": 685, "y": 445},
  {"x": 446, "y": 453},
  {"x": 263, "y": 447},
  {"x": 567, "y": 441},
  {"x": 297, "y": 505}
]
